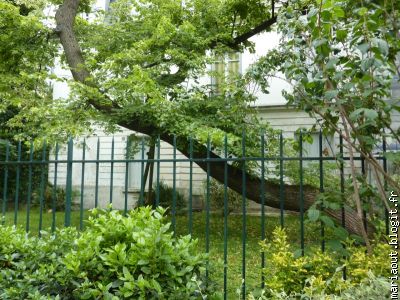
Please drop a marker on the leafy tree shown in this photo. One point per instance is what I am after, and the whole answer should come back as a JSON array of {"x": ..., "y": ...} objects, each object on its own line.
[
  {"x": 341, "y": 58},
  {"x": 130, "y": 66}
]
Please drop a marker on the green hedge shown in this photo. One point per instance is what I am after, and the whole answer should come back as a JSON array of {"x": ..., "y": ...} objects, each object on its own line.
[{"x": 116, "y": 257}]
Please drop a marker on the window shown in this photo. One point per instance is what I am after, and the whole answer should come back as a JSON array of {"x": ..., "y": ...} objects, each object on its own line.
[
  {"x": 135, "y": 152},
  {"x": 225, "y": 67}
]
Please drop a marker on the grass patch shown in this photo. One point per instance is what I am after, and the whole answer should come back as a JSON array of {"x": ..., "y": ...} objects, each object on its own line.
[{"x": 216, "y": 240}]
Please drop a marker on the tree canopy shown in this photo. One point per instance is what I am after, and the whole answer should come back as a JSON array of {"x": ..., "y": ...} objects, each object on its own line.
[{"x": 131, "y": 64}]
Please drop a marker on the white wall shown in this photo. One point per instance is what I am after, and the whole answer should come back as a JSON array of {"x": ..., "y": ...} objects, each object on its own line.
[
  {"x": 119, "y": 171},
  {"x": 263, "y": 43}
]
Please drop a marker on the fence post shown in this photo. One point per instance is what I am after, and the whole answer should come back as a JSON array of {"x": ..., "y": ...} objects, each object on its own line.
[
  {"x": 301, "y": 194},
  {"x": 190, "y": 185},
  {"x": 5, "y": 183},
  {"x": 158, "y": 172},
  {"x": 112, "y": 171},
  {"x": 82, "y": 185},
  {"x": 342, "y": 191},
  {"x": 29, "y": 196},
  {"x": 321, "y": 188},
  {"x": 385, "y": 184},
  {"x": 244, "y": 215},
  {"x": 126, "y": 177},
  {"x": 43, "y": 181},
  {"x": 174, "y": 187},
  {"x": 262, "y": 205},
  {"x": 17, "y": 183},
  {"x": 69, "y": 184},
  {"x": 281, "y": 183},
  {"x": 54, "y": 196},
  {"x": 96, "y": 192},
  {"x": 142, "y": 177},
  {"x": 208, "y": 205},
  {"x": 225, "y": 216}
]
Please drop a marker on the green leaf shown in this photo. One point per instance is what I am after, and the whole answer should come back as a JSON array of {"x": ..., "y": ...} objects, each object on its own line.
[
  {"x": 146, "y": 270},
  {"x": 362, "y": 11},
  {"x": 128, "y": 276},
  {"x": 370, "y": 114},
  {"x": 332, "y": 63},
  {"x": 142, "y": 262},
  {"x": 341, "y": 35},
  {"x": 327, "y": 221},
  {"x": 382, "y": 46},
  {"x": 313, "y": 214},
  {"x": 331, "y": 94},
  {"x": 367, "y": 63},
  {"x": 333, "y": 205},
  {"x": 363, "y": 48},
  {"x": 338, "y": 12},
  {"x": 335, "y": 245},
  {"x": 341, "y": 233}
]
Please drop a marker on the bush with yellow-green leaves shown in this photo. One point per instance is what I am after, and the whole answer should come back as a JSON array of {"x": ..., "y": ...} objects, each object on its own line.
[{"x": 320, "y": 272}]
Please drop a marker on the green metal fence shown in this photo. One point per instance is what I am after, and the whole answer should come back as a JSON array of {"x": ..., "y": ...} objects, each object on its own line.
[{"x": 28, "y": 189}]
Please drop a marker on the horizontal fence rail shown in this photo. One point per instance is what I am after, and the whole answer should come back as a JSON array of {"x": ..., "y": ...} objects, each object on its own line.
[{"x": 64, "y": 182}]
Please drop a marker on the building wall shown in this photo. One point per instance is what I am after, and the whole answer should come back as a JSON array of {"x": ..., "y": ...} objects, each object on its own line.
[{"x": 119, "y": 171}]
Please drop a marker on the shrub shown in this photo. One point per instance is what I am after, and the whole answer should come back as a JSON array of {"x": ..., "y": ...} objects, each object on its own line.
[
  {"x": 217, "y": 194},
  {"x": 31, "y": 266},
  {"x": 132, "y": 257},
  {"x": 286, "y": 273},
  {"x": 57, "y": 195},
  {"x": 372, "y": 287},
  {"x": 166, "y": 198}
]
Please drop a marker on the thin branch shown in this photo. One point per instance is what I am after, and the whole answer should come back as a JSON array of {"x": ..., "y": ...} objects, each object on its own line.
[{"x": 356, "y": 193}]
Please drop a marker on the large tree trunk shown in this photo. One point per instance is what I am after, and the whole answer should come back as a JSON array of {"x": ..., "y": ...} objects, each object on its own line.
[
  {"x": 65, "y": 18},
  {"x": 292, "y": 199}
]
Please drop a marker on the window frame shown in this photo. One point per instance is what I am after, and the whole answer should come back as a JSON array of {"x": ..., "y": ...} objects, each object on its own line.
[{"x": 226, "y": 61}]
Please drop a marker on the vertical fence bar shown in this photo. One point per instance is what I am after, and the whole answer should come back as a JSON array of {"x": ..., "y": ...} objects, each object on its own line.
[
  {"x": 244, "y": 231},
  {"x": 142, "y": 179},
  {"x": 363, "y": 201},
  {"x": 342, "y": 190},
  {"x": 225, "y": 216},
  {"x": 262, "y": 205},
  {"x": 29, "y": 195},
  {"x": 301, "y": 194},
  {"x": 17, "y": 179},
  {"x": 281, "y": 183},
  {"x": 5, "y": 185},
  {"x": 96, "y": 192},
  {"x": 190, "y": 185},
  {"x": 174, "y": 186},
  {"x": 68, "y": 196},
  {"x": 126, "y": 177},
  {"x": 54, "y": 195},
  {"x": 158, "y": 172},
  {"x": 112, "y": 171},
  {"x": 342, "y": 178},
  {"x": 82, "y": 185},
  {"x": 42, "y": 186},
  {"x": 208, "y": 205},
  {"x": 385, "y": 184},
  {"x": 321, "y": 188}
]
